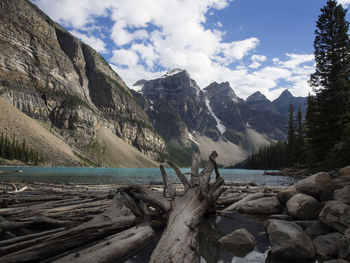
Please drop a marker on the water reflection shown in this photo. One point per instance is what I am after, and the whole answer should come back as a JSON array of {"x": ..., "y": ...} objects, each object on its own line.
[{"x": 214, "y": 228}]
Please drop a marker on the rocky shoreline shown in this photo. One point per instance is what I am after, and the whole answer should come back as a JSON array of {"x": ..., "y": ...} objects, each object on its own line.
[{"x": 307, "y": 220}]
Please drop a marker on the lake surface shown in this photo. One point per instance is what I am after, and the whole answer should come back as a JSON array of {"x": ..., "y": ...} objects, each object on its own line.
[{"x": 88, "y": 175}]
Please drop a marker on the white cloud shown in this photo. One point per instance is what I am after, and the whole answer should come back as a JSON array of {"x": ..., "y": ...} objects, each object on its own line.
[
  {"x": 74, "y": 13},
  {"x": 219, "y": 24},
  {"x": 296, "y": 59},
  {"x": 344, "y": 3},
  {"x": 154, "y": 34},
  {"x": 92, "y": 41},
  {"x": 147, "y": 53},
  {"x": 125, "y": 57},
  {"x": 256, "y": 61}
]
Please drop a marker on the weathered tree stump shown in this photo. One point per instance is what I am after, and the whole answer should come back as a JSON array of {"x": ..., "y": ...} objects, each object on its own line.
[{"x": 179, "y": 240}]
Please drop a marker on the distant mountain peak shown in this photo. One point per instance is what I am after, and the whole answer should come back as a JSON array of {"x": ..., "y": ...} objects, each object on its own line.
[
  {"x": 173, "y": 72},
  {"x": 256, "y": 96},
  {"x": 222, "y": 89},
  {"x": 286, "y": 93}
]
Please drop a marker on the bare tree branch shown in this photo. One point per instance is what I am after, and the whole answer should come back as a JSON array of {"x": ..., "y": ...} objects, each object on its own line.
[
  {"x": 167, "y": 186},
  {"x": 182, "y": 178},
  {"x": 195, "y": 169}
]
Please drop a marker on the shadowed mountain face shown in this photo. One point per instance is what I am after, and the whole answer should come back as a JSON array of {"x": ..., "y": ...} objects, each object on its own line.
[
  {"x": 50, "y": 75},
  {"x": 176, "y": 105},
  {"x": 282, "y": 103}
]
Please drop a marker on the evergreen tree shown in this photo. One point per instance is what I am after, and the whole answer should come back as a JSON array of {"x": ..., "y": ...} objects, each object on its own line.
[
  {"x": 331, "y": 82},
  {"x": 299, "y": 140},
  {"x": 271, "y": 156},
  {"x": 291, "y": 138},
  {"x": 2, "y": 145},
  {"x": 12, "y": 149},
  {"x": 23, "y": 150},
  {"x": 7, "y": 147}
]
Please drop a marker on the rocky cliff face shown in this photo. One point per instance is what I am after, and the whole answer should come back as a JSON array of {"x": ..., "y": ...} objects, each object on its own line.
[
  {"x": 52, "y": 76},
  {"x": 177, "y": 106},
  {"x": 259, "y": 102},
  {"x": 238, "y": 115}
]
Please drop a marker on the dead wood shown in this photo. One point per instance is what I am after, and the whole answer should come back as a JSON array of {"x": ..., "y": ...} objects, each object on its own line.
[
  {"x": 28, "y": 237},
  {"x": 113, "y": 220},
  {"x": 112, "y": 248},
  {"x": 142, "y": 193},
  {"x": 18, "y": 245},
  {"x": 179, "y": 240},
  {"x": 14, "y": 225},
  {"x": 168, "y": 188}
]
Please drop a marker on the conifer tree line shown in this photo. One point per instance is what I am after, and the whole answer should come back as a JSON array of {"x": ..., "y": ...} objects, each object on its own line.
[
  {"x": 272, "y": 156},
  {"x": 322, "y": 140},
  {"x": 11, "y": 149}
]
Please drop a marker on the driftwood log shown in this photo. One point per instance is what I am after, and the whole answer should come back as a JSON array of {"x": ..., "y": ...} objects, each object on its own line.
[{"x": 179, "y": 240}]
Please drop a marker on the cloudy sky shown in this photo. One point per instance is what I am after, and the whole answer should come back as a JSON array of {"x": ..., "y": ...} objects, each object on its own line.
[{"x": 264, "y": 45}]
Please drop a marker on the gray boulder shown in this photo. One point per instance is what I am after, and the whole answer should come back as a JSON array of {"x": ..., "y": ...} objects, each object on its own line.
[
  {"x": 304, "y": 224},
  {"x": 344, "y": 251},
  {"x": 240, "y": 242},
  {"x": 314, "y": 185},
  {"x": 302, "y": 206},
  {"x": 287, "y": 194},
  {"x": 343, "y": 194},
  {"x": 336, "y": 214},
  {"x": 288, "y": 241},
  {"x": 263, "y": 206},
  {"x": 345, "y": 171},
  {"x": 327, "y": 246},
  {"x": 318, "y": 229}
]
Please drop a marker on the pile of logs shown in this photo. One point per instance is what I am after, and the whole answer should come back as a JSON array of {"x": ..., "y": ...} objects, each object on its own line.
[{"x": 82, "y": 223}]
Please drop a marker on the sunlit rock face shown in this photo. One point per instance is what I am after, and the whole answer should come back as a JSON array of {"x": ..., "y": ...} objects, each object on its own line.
[{"x": 52, "y": 76}]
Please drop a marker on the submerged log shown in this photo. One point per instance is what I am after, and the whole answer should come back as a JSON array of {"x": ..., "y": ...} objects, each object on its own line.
[{"x": 179, "y": 240}]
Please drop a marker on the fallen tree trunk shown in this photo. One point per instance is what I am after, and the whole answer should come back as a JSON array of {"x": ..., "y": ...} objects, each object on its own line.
[
  {"x": 179, "y": 240},
  {"x": 113, "y": 248}
]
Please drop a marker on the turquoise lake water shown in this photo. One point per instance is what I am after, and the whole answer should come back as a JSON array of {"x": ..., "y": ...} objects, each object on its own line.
[{"x": 87, "y": 175}]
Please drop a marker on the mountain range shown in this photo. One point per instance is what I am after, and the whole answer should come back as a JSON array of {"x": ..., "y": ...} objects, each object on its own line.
[
  {"x": 215, "y": 117},
  {"x": 71, "y": 92}
]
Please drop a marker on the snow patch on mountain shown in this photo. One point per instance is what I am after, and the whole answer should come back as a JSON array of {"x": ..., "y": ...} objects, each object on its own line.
[
  {"x": 192, "y": 139},
  {"x": 219, "y": 124},
  {"x": 172, "y": 72}
]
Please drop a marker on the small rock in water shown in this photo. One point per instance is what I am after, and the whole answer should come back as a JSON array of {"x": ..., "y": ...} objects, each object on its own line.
[
  {"x": 288, "y": 241},
  {"x": 240, "y": 242}
]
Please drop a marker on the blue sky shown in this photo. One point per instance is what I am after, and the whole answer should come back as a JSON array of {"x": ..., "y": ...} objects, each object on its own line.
[{"x": 264, "y": 45}]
